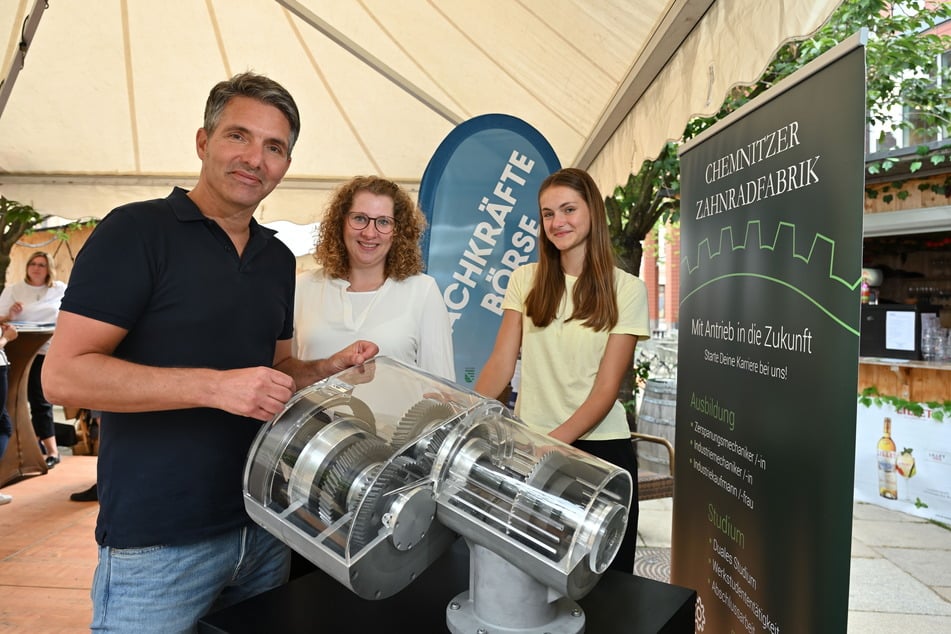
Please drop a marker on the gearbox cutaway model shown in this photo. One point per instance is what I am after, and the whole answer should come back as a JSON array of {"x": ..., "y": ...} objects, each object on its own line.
[{"x": 373, "y": 473}]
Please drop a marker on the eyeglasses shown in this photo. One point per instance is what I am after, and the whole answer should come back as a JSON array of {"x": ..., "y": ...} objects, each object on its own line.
[{"x": 383, "y": 224}]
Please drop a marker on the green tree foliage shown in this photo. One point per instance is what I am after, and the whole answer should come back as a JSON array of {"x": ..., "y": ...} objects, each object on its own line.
[
  {"x": 902, "y": 70},
  {"x": 650, "y": 195},
  {"x": 901, "y": 67},
  {"x": 16, "y": 219}
]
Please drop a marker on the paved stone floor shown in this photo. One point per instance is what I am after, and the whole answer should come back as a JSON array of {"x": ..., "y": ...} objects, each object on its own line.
[
  {"x": 900, "y": 575},
  {"x": 900, "y": 581}
]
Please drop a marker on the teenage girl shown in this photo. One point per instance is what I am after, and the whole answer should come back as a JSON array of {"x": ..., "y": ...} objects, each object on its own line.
[{"x": 576, "y": 318}]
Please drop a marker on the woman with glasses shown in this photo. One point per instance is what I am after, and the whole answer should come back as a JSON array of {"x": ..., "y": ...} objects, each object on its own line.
[{"x": 370, "y": 284}]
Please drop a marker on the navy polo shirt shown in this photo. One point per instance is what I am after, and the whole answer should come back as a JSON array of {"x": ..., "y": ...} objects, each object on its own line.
[{"x": 172, "y": 278}]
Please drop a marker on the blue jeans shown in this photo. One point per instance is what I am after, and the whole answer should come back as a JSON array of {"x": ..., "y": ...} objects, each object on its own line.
[
  {"x": 6, "y": 425},
  {"x": 41, "y": 411},
  {"x": 165, "y": 589}
]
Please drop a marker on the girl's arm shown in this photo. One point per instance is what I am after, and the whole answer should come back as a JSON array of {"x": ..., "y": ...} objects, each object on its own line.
[{"x": 500, "y": 367}]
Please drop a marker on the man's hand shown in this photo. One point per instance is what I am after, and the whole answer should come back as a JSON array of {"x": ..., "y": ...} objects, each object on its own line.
[{"x": 258, "y": 393}]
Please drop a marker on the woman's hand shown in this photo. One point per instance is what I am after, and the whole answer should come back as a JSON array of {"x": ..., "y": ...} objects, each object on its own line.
[
  {"x": 7, "y": 334},
  {"x": 16, "y": 309}
]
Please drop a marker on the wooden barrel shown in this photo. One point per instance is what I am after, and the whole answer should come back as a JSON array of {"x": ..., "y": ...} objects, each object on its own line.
[{"x": 657, "y": 416}]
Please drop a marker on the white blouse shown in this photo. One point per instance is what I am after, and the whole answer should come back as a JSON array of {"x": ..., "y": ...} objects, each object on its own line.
[
  {"x": 407, "y": 319},
  {"x": 40, "y": 304}
]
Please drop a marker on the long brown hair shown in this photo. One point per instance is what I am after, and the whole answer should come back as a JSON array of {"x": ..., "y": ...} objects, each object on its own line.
[
  {"x": 594, "y": 299},
  {"x": 404, "y": 258}
]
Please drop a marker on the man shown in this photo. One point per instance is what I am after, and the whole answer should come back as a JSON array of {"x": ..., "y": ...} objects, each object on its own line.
[{"x": 177, "y": 323}]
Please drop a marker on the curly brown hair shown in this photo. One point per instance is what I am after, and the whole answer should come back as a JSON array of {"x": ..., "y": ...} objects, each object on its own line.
[{"x": 405, "y": 258}]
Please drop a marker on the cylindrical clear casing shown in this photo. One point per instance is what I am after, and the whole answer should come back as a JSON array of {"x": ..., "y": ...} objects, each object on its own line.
[
  {"x": 371, "y": 473},
  {"x": 554, "y": 511}
]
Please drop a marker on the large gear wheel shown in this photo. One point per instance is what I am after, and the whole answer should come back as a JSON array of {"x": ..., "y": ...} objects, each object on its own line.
[
  {"x": 422, "y": 416},
  {"x": 369, "y": 516},
  {"x": 344, "y": 472},
  {"x": 317, "y": 452},
  {"x": 423, "y": 423}
]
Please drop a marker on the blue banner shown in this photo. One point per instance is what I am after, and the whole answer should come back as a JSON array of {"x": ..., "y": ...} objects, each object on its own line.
[{"x": 480, "y": 197}]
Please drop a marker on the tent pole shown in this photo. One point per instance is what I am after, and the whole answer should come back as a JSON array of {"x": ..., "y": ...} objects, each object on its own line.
[
  {"x": 19, "y": 59},
  {"x": 370, "y": 60}
]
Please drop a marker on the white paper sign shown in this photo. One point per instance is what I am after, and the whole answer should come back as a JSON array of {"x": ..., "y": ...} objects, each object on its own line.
[{"x": 899, "y": 330}]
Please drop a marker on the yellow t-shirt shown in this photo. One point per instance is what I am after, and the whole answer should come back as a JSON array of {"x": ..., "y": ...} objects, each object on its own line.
[{"x": 560, "y": 361}]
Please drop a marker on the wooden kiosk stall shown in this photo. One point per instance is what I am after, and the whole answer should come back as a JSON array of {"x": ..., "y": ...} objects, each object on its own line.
[
  {"x": 915, "y": 381},
  {"x": 23, "y": 456},
  {"x": 903, "y": 418}
]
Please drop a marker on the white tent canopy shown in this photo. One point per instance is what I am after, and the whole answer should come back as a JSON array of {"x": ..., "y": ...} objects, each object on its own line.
[{"x": 101, "y": 104}]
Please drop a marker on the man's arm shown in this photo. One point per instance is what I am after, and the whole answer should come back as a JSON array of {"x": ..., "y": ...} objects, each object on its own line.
[
  {"x": 81, "y": 371},
  {"x": 306, "y": 373}
]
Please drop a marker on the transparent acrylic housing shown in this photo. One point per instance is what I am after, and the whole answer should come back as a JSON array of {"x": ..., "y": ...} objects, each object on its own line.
[{"x": 372, "y": 473}]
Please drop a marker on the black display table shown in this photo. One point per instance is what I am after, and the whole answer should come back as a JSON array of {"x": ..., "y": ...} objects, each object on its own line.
[{"x": 316, "y": 602}]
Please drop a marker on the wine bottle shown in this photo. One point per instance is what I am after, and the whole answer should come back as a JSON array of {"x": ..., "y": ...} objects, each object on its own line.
[{"x": 887, "y": 455}]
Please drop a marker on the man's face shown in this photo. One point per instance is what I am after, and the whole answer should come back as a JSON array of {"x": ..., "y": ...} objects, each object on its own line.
[{"x": 247, "y": 154}]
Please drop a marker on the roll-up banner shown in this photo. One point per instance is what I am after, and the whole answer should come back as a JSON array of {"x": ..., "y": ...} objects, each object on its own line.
[
  {"x": 480, "y": 196},
  {"x": 771, "y": 247}
]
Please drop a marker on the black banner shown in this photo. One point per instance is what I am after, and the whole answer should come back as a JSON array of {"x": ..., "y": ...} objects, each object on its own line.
[{"x": 771, "y": 244}]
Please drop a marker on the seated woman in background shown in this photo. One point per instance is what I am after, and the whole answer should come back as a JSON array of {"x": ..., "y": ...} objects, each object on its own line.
[
  {"x": 370, "y": 284},
  {"x": 36, "y": 300},
  {"x": 576, "y": 318}
]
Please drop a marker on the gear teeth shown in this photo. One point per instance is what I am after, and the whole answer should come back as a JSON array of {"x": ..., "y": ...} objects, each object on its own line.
[
  {"x": 547, "y": 465},
  {"x": 343, "y": 472},
  {"x": 429, "y": 448},
  {"x": 418, "y": 418},
  {"x": 523, "y": 508},
  {"x": 368, "y": 519},
  {"x": 357, "y": 493}
]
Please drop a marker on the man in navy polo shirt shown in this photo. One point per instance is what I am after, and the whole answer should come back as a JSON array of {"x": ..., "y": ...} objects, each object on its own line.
[{"x": 177, "y": 323}]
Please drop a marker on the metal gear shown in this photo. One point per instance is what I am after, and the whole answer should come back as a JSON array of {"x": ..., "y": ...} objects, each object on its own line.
[
  {"x": 428, "y": 446},
  {"x": 423, "y": 423},
  {"x": 420, "y": 417},
  {"x": 545, "y": 468},
  {"x": 361, "y": 486},
  {"x": 369, "y": 516},
  {"x": 344, "y": 471}
]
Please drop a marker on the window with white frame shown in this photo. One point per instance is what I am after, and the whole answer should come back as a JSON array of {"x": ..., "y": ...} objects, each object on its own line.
[{"x": 891, "y": 135}]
